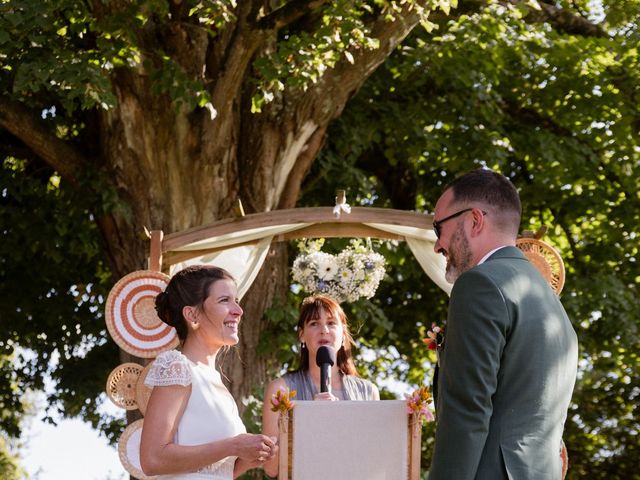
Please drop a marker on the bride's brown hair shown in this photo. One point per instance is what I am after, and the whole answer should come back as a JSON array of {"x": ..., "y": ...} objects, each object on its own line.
[{"x": 188, "y": 287}]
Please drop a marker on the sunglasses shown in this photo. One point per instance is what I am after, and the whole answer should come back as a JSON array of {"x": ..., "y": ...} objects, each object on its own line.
[{"x": 437, "y": 224}]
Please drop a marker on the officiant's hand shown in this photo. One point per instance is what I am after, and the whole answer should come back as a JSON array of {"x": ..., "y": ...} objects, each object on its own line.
[{"x": 327, "y": 396}]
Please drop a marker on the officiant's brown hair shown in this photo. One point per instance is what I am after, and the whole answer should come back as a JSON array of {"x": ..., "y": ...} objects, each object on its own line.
[{"x": 310, "y": 310}]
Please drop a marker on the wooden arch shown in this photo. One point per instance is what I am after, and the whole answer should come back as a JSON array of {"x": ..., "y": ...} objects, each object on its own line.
[{"x": 325, "y": 224}]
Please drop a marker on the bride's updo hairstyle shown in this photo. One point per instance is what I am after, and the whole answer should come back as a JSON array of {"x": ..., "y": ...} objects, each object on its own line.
[{"x": 188, "y": 287}]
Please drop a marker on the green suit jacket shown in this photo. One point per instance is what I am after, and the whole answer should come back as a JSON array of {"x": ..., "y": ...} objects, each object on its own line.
[{"x": 507, "y": 372}]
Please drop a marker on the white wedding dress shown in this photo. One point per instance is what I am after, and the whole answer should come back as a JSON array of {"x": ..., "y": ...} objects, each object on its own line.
[{"x": 211, "y": 413}]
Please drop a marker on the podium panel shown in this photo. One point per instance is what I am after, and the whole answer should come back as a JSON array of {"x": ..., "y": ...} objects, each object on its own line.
[{"x": 350, "y": 440}]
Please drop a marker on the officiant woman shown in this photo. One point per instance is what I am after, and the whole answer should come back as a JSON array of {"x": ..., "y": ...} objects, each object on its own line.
[{"x": 321, "y": 322}]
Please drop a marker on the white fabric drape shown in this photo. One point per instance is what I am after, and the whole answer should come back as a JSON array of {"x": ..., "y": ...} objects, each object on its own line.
[
  {"x": 242, "y": 262},
  {"x": 421, "y": 243},
  {"x": 245, "y": 259}
]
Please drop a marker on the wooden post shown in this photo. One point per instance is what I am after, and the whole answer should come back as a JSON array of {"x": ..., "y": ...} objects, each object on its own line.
[
  {"x": 415, "y": 445},
  {"x": 155, "y": 250},
  {"x": 283, "y": 444}
]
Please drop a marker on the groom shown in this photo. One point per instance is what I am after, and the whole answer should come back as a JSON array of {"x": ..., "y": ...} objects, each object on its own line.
[{"x": 509, "y": 362}]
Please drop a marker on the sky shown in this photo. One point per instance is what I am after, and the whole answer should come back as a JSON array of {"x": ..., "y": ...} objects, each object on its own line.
[{"x": 72, "y": 450}]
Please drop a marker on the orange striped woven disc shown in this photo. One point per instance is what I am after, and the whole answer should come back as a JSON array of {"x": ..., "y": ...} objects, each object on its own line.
[{"x": 131, "y": 316}]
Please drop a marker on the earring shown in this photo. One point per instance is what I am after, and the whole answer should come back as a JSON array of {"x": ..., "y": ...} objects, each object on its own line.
[
  {"x": 195, "y": 325},
  {"x": 303, "y": 345}
]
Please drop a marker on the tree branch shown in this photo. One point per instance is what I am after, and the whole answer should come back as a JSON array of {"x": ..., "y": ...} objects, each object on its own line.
[
  {"x": 343, "y": 81},
  {"x": 324, "y": 101},
  {"x": 288, "y": 13},
  {"x": 23, "y": 124},
  {"x": 561, "y": 19},
  {"x": 291, "y": 190}
]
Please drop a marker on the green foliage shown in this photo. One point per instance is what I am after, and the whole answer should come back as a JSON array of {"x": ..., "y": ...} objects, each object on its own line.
[
  {"x": 9, "y": 463},
  {"x": 11, "y": 408},
  {"x": 14, "y": 412},
  {"x": 49, "y": 249},
  {"x": 303, "y": 56},
  {"x": 41, "y": 55},
  {"x": 555, "y": 111},
  {"x": 170, "y": 78}
]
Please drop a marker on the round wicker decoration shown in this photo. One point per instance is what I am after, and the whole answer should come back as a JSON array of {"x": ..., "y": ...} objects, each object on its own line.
[
  {"x": 129, "y": 450},
  {"x": 121, "y": 385},
  {"x": 131, "y": 316},
  {"x": 546, "y": 259},
  {"x": 143, "y": 392}
]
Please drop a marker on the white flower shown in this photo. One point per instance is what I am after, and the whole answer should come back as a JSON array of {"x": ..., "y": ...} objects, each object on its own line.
[
  {"x": 327, "y": 267},
  {"x": 345, "y": 276},
  {"x": 352, "y": 274}
]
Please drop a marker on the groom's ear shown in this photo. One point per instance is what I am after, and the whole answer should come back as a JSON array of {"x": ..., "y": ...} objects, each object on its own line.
[{"x": 478, "y": 223}]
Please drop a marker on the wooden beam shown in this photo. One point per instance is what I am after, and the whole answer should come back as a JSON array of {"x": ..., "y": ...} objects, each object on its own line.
[
  {"x": 326, "y": 230},
  {"x": 316, "y": 215},
  {"x": 415, "y": 445},
  {"x": 337, "y": 230}
]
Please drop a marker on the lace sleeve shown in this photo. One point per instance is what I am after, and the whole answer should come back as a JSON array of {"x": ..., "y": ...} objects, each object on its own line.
[{"x": 169, "y": 368}]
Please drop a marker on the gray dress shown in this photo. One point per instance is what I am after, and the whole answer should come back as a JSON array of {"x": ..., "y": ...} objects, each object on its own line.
[{"x": 353, "y": 388}]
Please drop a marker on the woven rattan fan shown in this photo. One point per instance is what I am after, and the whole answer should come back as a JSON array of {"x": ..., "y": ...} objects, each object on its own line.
[
  {"x": 546, "y": 259},
  {"x": 143, "y": 392},
  {"x": 121, "y": 385},
  {"x": 129, "y": 450}
]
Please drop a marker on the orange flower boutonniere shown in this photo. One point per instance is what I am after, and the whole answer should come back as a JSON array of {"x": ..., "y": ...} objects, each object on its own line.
[{"x": 435, "y": 337}]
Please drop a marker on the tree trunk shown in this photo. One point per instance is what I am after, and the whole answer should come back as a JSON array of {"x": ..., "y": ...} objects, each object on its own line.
[
  {"x": 243, "y": 366},
  {"x": 171, "y": 177}
]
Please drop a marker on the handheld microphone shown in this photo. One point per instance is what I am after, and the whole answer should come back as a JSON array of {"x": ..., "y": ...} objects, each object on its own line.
[{"x": 325, "y": 359}]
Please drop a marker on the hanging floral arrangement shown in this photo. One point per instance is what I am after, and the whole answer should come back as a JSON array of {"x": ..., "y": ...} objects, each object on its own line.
[{"x": 352, "y": 274}]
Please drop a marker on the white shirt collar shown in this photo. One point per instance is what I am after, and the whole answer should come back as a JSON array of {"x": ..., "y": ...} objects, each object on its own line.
[{"x": 483, "y": 259}]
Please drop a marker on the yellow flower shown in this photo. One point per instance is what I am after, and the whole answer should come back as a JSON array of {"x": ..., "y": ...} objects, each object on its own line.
[{"x": 281, "y": 400}]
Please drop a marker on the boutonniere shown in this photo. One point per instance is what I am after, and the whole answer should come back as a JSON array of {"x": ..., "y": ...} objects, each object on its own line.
[{"x": 435, "y": 337}]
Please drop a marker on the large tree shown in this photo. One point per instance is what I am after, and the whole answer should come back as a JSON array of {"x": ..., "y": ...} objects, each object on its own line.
[
  {"x": 119, "y": 115},
  {"x": 162, "y": 114}
]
